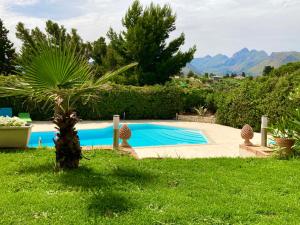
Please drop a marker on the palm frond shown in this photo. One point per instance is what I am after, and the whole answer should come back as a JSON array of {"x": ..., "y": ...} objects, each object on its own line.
[
  {"x": 55, "y": 67},
  {"x": 57, "y": 71}
]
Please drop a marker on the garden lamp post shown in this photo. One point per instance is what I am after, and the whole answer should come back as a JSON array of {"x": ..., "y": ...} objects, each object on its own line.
[
  {"x": 116, "y": 121},
  {"x": 264, "y": 125}
]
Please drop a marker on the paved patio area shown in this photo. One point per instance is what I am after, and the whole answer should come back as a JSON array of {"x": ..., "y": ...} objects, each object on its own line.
[{"x": 223, "y": 141}]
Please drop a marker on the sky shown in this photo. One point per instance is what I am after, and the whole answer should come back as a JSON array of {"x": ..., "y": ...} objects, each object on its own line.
[{"x": 214, "y": 26}]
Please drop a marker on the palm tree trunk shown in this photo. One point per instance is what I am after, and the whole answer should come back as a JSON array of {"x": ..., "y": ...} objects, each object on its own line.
[{"x": 68, "y": 150}]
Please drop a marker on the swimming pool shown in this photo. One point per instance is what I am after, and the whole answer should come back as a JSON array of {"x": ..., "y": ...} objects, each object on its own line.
[{"x": 142, "y": 135}]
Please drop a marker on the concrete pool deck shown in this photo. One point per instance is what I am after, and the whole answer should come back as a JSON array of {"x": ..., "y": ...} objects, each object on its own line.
[{"x": 223, "y": 141}]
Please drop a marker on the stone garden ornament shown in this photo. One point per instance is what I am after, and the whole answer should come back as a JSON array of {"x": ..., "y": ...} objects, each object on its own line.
[
  {"x": 247, "y": 134},
  {"x": 125, "y": 134}
]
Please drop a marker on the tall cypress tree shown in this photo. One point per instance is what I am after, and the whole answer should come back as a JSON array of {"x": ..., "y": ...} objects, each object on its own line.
[{"x": 7, "y": 52}]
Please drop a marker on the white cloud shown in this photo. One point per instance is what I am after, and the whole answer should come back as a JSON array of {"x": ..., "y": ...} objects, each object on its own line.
[
  {"x": 21, "y": 2},
  {"x": 215, "y": 26}
]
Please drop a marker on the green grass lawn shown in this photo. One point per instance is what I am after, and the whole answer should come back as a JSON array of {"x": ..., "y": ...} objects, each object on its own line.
[{"x": 115, "y": 189}]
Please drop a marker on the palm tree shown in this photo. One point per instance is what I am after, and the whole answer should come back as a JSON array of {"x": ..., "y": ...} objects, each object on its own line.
[{"x": 57, "y": 77}]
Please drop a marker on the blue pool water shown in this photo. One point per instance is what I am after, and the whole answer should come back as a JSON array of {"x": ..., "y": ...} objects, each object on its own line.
[{"x": 142, "y": 135}]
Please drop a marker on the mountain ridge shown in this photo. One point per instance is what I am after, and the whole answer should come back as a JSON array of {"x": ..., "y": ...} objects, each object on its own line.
[{"x": 252, "y": 62}]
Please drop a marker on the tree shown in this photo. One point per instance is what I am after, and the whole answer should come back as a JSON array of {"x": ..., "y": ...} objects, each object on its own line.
[
  {"x": 233, "y": 75},
  {"x": 267, "y": 70},
  {"x": 56, "y": 34},
  {"x": 144, "y": 40},
  {"x": 99, "y": 50},
  {"x": 98, "y": 54},
  {"x": 243, "y": 74},
  {"x": 59, "y": 78},
  {"x": 7, "y": 52},
  {"x": 250, "y": 77},
  {"x": 104, "y": 57},
  {"x": 191, "y": 74}
]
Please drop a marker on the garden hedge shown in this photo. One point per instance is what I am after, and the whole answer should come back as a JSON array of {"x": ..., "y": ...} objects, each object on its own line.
[
  {"x": 248, "y": 101},
  {"x": 152, "y": 102}
]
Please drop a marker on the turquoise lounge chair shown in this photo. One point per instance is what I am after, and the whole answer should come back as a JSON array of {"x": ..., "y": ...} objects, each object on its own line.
[
  {"x": 6, "y": 112},
  {"x": 25, "y": 117}
]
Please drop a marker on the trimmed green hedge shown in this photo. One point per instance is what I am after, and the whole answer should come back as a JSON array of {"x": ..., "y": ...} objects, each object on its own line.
[{"x": 153, "y": 102}]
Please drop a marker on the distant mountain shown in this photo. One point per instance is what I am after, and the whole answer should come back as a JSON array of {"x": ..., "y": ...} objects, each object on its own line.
[{"x": 251, "y": 62}]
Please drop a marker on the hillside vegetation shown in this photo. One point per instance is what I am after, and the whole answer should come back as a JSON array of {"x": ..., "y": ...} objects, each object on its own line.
[
  {"x": 247, "y": 100},
  {"x": 235, "y": 102}
]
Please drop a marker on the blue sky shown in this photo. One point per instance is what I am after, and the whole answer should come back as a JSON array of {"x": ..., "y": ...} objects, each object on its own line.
[{"x": 214, "y": 26}]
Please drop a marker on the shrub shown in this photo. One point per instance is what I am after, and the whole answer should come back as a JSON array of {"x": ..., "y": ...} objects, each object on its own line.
[
  {"x": 194, "y": 97},
  {"x": 251, "y": 99},
  {"x": 153, "y": 102}
]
